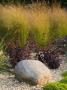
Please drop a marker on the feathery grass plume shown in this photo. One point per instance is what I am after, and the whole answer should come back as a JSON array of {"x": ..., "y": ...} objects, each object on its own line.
[
  {"x": 45, "y": 24},
  {"x": 54, "y": 28},
  {"x": 60, "y": 15},
  {"x": 14, "y": 24},
  {"x": 40, "y": 26},
  {"x": 58, "y": 23}
]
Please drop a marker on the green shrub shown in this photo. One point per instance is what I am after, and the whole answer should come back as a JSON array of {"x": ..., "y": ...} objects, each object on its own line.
[{"x": 55, "y": 86}]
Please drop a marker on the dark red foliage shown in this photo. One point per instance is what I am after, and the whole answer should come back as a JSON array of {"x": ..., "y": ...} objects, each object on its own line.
[
  {"x": 50, "y": 56},
  {"x": 12, "y": 52},
  {"x": 17, "y": 54}
]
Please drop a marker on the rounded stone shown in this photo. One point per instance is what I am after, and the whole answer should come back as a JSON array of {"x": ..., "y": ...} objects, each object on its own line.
[{"x": 33, "y": 70}]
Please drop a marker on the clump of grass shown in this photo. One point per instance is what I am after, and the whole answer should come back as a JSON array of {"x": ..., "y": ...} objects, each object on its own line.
[
  {"x": 5, "y": 66},
  {"x": 13, "y": 25},
  {"x": 40, "y": 27},
  {"x": 60, "y": 16},
  {"x": 54, "y": 30},
  {"x": 58, "y": 23}
]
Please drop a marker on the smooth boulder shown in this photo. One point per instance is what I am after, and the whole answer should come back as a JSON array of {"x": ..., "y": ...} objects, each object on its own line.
[{"x": 33, "y": 70}]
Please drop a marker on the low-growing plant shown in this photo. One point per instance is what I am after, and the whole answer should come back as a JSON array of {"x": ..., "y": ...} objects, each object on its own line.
[
  {"x": 59, "y": 85},
  {"x": 4, "y": 65},
  {"x": 55, "y": 86},
  {"x": 64, "y": 80},
  {"x": 51, "y": 58},
  {"x": 64, "y": 74}
]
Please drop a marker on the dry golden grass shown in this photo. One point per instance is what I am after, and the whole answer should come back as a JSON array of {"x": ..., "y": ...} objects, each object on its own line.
[{"x": 46, "y": 24}]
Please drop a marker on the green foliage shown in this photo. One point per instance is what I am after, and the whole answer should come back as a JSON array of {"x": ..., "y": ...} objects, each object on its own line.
[
  {"x": 55, "y": 86},
  {"x": 64, "y": 74},
  {"x": 40, "y": 37},
  {"x": 23, "y": 35},
  {"x": 4, "y": 65},
  {"x": 2, "y": 45},
  {"x": 60, "y": 85},
  {"x": 64, "y": 80},
  {"x": 3, "y": 60},
  {"x": 63, "y": 30},
  {"x": 54, "y": 30}
]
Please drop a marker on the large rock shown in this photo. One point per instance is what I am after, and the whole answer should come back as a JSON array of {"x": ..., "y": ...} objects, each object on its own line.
[{"x": 33, "y": 70}]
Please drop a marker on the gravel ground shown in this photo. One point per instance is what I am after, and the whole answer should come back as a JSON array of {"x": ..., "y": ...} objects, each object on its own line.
[
  {"x": 56, "y": 74},
  {"x": 8, "y": 82}
]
